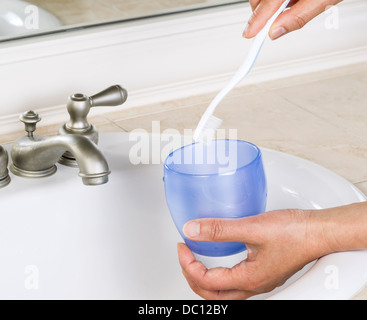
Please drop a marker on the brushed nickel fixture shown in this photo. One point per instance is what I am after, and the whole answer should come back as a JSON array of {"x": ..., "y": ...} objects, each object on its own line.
[
  {"x": 78, "y": 107},
  {"x": 4, "y": 173},
  {"x": 35, "y": 156}
]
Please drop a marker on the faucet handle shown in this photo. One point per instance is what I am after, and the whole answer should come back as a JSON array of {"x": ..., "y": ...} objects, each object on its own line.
[
  {"x": 79, "y": 106},
  {"x": 30, "y": 120},
  {"x": 110, "y": 97}
]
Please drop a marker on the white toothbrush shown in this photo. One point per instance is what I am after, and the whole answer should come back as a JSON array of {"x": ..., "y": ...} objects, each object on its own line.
[{"x": 209, "y": 124}]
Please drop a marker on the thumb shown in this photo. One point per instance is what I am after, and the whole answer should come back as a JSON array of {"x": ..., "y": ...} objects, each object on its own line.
[{"x": 222, "y": 230}]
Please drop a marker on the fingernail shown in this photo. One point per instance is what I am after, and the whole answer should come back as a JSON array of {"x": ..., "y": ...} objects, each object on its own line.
[
  {"x": 277, "y": 33},
  {"x": 246, "y": 31},
  {"x": 191, "y": 229}
]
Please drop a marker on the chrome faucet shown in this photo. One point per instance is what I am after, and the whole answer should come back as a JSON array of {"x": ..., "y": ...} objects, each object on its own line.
[
  {"x": 35, "y": 156},
  {"x": 4, "y": 173}
]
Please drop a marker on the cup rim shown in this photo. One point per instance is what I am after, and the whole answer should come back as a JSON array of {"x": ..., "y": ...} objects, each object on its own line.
[{"x": 258, "y": 155}]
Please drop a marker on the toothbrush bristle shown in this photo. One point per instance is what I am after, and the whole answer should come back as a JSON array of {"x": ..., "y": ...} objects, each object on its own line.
[
  {"x": 213, "y": 123},
  {"x": 210, "y": 128}
]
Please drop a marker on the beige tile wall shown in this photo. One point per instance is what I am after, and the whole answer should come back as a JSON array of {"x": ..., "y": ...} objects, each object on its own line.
[
  {"x": 71, "y": 12},
  {"x": 320, "y": 117}
]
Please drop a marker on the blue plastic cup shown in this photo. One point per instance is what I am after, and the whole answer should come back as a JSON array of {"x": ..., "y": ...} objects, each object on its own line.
[{"x": 224, "y": 179}]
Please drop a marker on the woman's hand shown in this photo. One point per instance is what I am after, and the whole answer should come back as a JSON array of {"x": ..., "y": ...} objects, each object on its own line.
[
  {"x": 279, "y": 244},
  {"x": 300, "y": 13}
]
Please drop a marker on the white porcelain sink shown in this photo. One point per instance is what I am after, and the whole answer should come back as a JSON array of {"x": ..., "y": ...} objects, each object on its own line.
[
  {"x": 62, "y": 240},
  {"x": 20, "y": 17}
]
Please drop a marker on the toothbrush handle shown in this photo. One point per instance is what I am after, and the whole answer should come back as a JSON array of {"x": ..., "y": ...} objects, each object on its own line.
[
  {"x": 250, "y": 59},
  {"x": 245, "y": 68},
  {"x": 237, "y": 78},
  {"x": 242, "y": 72},
  {"x": 253, "y": 52}
]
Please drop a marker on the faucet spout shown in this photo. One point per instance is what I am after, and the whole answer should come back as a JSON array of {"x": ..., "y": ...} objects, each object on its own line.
[{"x": 36, "y": 156}]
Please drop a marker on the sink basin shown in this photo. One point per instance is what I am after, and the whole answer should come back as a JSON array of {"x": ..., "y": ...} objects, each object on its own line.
[
  {"x": 18, "y": 17},
  {"x": 62, "y": 240}
]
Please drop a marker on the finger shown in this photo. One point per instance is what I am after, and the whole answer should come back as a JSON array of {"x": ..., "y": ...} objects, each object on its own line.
[
  {"x": 298, "y": 16},
  {"x": 217, "y": 294},
  {"x": 223, "y": 230},
  {"x": 216, "y": 279},
  {"x": 254, "y": 4},
  {"x": 263, "y": 12}
]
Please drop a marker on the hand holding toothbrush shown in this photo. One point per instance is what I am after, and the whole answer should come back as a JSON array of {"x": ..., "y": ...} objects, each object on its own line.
[{"x": 299, "y": 14}]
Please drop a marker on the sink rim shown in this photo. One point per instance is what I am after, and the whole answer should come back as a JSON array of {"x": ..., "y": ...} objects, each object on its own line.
[{"x": 317, "y": 289}]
